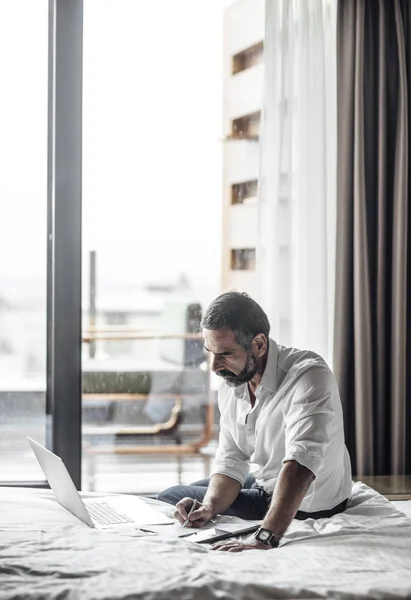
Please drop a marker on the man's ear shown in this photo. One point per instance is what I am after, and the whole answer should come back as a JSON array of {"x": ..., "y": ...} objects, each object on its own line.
[{"x": 260, "y": 344}]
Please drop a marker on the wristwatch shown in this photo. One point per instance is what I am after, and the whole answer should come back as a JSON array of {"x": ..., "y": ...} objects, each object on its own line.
[{"x": 266, "y": 537}]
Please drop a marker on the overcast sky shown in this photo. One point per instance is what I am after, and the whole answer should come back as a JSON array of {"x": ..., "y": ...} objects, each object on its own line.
[{"x": 152, "y": 150}]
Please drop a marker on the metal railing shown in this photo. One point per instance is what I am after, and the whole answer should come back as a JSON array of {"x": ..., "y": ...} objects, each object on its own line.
[{"x": 95, "y": 334}]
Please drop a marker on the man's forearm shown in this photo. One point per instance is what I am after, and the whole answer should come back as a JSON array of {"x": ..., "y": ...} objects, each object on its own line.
[
  {"x": 292, "y": 485},
  {"x": 221, "y": 493}
]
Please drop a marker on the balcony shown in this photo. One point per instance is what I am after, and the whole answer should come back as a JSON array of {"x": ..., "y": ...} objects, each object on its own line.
[{"x": 138, "y": 415}]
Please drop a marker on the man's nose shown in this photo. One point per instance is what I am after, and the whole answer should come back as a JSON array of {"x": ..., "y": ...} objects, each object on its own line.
[{"x": 215, "y": 362}]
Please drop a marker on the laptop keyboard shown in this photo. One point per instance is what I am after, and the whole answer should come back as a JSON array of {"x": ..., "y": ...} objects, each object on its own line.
[{"x": 102, "y": 513}]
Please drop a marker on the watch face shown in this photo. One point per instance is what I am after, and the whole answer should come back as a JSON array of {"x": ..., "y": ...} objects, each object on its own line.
[{"x": 264, "y": 535}]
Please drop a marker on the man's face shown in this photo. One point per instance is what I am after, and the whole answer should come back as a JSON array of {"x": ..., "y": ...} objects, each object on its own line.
[{"x": 230, "y": 361}]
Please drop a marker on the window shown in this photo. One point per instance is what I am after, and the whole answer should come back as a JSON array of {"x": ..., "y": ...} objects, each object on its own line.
[
  {"x": 245, "y": 192},
  {"x": 23, "y": 235},
  {"x": 243, "y": 259},
  {"x": 246, "y": 127},
  {"x": 152, "y": 163},
  {"x": 149, "y": 141},
  {"x": 248, "y": 58}
]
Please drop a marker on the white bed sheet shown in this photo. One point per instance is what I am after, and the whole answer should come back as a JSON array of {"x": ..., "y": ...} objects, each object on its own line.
[
  {"x": 403, "y": 505},
  {"x": 47, "y": 554}
]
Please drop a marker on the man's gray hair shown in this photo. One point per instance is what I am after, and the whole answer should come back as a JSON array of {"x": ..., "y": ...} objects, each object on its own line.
[{"x": 240, "y": 313}]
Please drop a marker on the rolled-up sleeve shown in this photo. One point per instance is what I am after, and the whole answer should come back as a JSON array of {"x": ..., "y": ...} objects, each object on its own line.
[
  {"x": 229, "y": 460},
  {"x": 308, "y": 416}
]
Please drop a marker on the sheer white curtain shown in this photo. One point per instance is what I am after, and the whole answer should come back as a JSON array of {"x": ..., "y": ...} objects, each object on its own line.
[{"x": 297, "y": 208}]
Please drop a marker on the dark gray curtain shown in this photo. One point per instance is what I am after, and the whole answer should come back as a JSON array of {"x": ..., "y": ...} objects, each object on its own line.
[{"x": 372, "y": 352}]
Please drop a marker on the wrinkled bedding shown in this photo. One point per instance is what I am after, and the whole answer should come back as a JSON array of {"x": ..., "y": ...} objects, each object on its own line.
[{"x": 47, "y": 554}]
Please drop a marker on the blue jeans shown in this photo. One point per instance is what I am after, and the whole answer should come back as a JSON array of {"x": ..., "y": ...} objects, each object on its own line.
[{"x": 252, "y": 502}]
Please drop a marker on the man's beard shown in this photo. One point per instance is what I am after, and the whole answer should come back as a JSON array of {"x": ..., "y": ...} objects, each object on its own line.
[{"x": 246, "y": 374}]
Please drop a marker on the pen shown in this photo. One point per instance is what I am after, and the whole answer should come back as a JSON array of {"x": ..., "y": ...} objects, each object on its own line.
[{"x": 189, "y": 514}]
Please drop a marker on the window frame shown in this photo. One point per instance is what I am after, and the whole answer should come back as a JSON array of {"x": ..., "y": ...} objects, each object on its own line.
[{"x": 64, "y": 237}]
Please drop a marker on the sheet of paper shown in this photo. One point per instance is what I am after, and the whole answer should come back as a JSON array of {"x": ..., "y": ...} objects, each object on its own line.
[
  {"x": 237, "y": 526},
  {"x": 231, "y": 524},
  {"x": 176, "y": 530}
]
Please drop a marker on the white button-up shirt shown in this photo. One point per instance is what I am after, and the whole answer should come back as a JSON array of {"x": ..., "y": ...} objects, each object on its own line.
[{"x": 297, "y": 415}]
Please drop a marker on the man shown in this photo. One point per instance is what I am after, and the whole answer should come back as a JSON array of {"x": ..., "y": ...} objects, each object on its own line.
[{"x": 280, "y": 409}]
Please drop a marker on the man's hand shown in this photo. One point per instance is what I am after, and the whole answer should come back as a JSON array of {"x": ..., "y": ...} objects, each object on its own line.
[
  {"x": 199, "y": 517},
  {"x": 234, "y": 546}
]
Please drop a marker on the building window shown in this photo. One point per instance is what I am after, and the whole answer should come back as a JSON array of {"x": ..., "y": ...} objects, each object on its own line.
[
  {"x": 245, "y": 192},
  {"x": 246, "y": 127},
  {"x": 243, "y": 259},
  {"x": 248, "y": 58}
]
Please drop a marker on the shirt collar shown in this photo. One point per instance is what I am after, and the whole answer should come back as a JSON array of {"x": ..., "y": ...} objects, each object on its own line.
[{"x": 269, "y": 378}]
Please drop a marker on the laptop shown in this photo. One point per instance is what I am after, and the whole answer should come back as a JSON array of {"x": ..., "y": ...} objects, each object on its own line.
[{"x": 103, "y": 512}]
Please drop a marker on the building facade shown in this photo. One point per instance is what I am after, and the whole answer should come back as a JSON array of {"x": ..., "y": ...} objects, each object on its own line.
[{"x": 243, "y": 88}]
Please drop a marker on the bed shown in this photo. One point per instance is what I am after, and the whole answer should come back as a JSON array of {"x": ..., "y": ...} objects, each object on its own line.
[{"x": 46, "y": 553}]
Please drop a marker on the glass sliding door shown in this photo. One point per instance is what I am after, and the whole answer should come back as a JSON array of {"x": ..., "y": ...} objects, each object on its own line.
[
  {"x": 124, "y": 213},
  {"x": 40, "y": 235},
  {"x": 152, "y": 204},
  {"x": 23, "y": 235}
]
